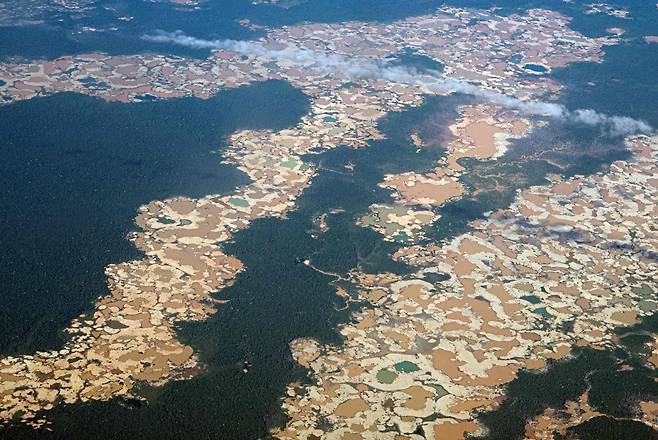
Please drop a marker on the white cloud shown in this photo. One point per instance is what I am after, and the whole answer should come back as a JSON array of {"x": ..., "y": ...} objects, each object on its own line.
[{"x": 431, "y": 80}]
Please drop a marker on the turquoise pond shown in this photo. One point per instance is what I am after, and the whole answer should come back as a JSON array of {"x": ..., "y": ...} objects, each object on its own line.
[{"x": 406, "y": 367}]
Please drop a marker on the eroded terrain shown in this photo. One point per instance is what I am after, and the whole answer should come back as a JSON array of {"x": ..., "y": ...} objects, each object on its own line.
[
  {"x": 395, "y": 375},
  {"x": 564, "y": 266}
]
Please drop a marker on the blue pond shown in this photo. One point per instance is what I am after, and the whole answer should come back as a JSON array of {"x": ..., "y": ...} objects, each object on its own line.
[{"x": 535, "y": 68}]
